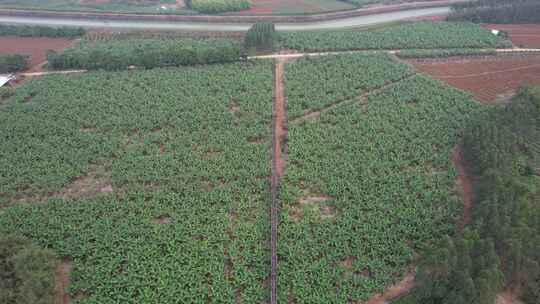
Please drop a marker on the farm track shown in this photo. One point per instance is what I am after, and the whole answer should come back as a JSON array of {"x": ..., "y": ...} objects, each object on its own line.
[
  {"x": 279, "y": 141},
  {"x": 362, "y": 98}
]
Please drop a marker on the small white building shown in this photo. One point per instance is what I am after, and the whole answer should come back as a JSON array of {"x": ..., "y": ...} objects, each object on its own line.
[{"x": 6, "y": 79}]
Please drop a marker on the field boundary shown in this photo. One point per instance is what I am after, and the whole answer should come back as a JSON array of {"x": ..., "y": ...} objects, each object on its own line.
[{"x": 230, "y": 18}]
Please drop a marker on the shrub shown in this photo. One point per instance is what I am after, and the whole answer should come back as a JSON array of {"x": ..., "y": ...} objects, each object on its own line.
[
  {"x": 260, "y": 36},
  {"x": 26, "y": 272},
  {"x": 12, "y": 63}
]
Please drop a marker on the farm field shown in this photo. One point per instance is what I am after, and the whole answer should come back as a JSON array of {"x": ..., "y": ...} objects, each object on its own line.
[
  {"x": 127, "y": 6},
  {"x": 368, "y": 184},
  {"x": 522, "y": 35},
  {"x": 156, "y": 181},
  {"x": 289, "y": 7},
  {"x": 34, "y": 47},
  {"x": 418, "y": 35},
  {"x": 489, "y": 79},
  {"x": 184, "y": 179}
]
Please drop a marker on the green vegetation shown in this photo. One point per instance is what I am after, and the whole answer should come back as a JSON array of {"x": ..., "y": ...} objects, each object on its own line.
[
  {"x": 26, "y": 272},
  {"x": 186, "y": 152},
  {"x": 261, "y": 36},
  {"x": 12, "y": 63},
  {"x": 315, "y": 83},
  {"x": 419, "y": 35},
  {"x": 121, "y": 6},
  {"x": 445, "y": 53},
  {"x": 502, "y": 147},
  {"x": 40, "y": 31},
  {"x": 218, "y": 6},
  {"x": 368, "y": 183},
  {"x": 144, "y": 52},
  {"x": 497, "y": 11}
]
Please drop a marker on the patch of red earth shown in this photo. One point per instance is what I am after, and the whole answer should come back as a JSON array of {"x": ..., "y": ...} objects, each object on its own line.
[
  {"x": 62, "y": 281},
  {"x": 280, "y": 119},
  {"x": 507, "y": 297},
  {"x": 34, "y": 47},
  {"x": 265, "y": 7},
  {"x": 395, "y": 291},
  {"x": 489, "y": 78},
  {"x": 522, "y": 35},
  {"x": 465, "y": 184}
]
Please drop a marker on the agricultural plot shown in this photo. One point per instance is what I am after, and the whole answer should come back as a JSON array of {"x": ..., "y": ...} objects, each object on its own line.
[
  {"x": 368, "y": 184},
  {"x": 123, "y": 6},
  {"x": 522, "y": 35},
  {"x": 489, "y": 79},
  {"x": 33, "y": 47},
  {"x": 115, "y": 54},
  {"x": 288, "y": 7},
  {"x": 154, "y": 183},
  {"x": 337, "y": 78},
  {"x": 418, "y": 35}
]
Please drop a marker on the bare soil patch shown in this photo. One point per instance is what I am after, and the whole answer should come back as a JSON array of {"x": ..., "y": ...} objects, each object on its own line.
[
  {"x": 464, "y": 184},
  {"x": 522, "y": 35},
  {"x": 490, "y": 79},
  {"x": 161, "y": 220},
  {"x": 395, "y": 291},
  {"x": 507, "y": 297},
  {"x": 62, "y": 281},
  {"x": 95, "y": 183},
  {"x": 34, "y": 47}
]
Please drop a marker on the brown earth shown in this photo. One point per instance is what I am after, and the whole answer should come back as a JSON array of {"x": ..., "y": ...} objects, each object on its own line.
[
  {"x": 395, "y": 291},
  {"x": 34, "y": 47},
  {"x": 465, "y": 185},
  {"x": 62, "y": 281},
  {"x": 489, "y": 79},
  {"x": 522, "y": 35}
]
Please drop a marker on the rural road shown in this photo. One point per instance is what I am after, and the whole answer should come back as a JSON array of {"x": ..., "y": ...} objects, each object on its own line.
[{"x": 206, "y": 26}]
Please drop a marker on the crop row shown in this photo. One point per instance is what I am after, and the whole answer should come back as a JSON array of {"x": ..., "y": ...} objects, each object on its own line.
[
  {"x": 368, "y": 185},
  {"x": 186, "y": 154},
  {"x": 418, "y": 35}
]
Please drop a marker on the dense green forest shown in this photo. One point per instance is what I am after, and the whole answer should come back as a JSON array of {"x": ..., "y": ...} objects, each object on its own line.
[
  {"x": 499, "y": 249},
  {"x": 497, "y": 11}
]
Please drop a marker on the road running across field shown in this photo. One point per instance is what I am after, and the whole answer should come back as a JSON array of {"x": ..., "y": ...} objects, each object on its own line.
[{"x": 350, "y": 22}]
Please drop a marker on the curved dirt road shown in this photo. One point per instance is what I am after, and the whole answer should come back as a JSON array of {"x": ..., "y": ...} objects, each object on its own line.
[{"x": 211, "y": 26}]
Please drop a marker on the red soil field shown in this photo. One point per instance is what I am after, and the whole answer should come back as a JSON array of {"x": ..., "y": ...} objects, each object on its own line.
[
  {"x": 265, "y": 7},
  {"x": 489, "y": 79},
  {"x": 522, "y": 35},
  {"x": 35, "y": 47}
]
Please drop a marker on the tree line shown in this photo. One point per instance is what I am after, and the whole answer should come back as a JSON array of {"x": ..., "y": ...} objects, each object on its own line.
[
  {"x": 41, "y": 31},
  {"x": 500, "y": 248},
  {"x": 497, "y": 11}
]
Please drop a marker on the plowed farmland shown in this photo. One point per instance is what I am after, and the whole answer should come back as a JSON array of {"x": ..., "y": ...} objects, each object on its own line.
[
  {"x": 34, "y": 47},
  {"x": 490, "y": 78},
  {"x": 522, "y": 35}
]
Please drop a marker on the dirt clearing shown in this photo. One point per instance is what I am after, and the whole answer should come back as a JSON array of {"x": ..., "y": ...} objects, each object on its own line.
[
  {"x": 490, "y": 79},
  {"x": 34, "y": 47},
  {"x": 522, "y": 35}
]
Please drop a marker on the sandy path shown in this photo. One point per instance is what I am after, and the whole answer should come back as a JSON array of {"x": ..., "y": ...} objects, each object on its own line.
[{"x": 279, "y": 136}]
